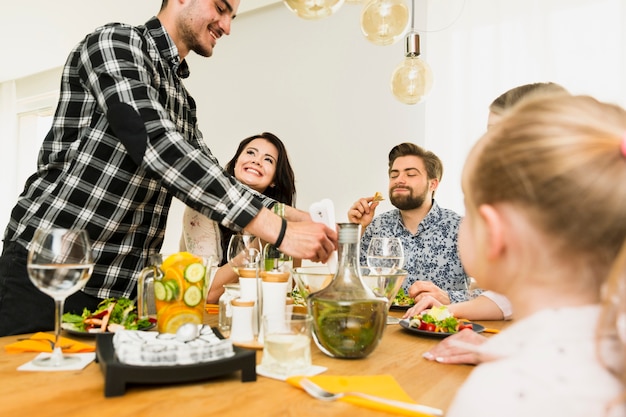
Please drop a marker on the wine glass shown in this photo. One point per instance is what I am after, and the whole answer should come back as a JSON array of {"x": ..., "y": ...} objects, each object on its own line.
[
  {"x": 244, "y": 255},
  {"x": 59, "y": 263},
  {"x": 244, "y": 251},
  {"x": 385, "y": 252},
  {"x": 384, "y": 282}
]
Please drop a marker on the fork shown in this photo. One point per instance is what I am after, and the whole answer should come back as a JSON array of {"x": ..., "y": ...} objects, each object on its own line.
[{"x": 320, "y": 393}]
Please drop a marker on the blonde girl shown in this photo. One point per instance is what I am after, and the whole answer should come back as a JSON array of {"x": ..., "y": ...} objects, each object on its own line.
[{"x": 545, "y": 199}]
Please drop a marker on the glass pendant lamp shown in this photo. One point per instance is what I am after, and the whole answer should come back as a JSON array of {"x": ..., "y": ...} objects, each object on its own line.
[
  {"x": 413, "y": 79},
  {"x": 384, "y": 21},
  {"x": 313, "y": 9}
]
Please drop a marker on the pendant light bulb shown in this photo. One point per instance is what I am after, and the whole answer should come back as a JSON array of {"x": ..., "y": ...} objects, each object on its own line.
[
  {"x": 383, "y": 22},
  {"x": 313, "y": 9},
  {"x": 413, "y": 79}
]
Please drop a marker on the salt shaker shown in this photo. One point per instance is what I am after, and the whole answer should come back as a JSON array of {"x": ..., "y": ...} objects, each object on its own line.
[{"x": 241, "y": 328}]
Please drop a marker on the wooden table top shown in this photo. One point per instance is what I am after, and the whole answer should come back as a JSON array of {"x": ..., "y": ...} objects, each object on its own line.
[{"x": 81, "y": 393}]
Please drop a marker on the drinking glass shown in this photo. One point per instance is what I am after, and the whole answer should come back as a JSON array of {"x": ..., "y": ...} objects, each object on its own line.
[
  {"x": 287, "y": 344},
  {"x": 59, "y": 263},
  {"x": 385, "y": 252},
  {"x": 385, "y": 282}
]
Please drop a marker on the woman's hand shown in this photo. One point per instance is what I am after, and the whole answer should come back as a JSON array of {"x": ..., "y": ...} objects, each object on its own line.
[
  {"x": 460, "y": 348},
  {"x": 424, "y": 303},
  {"x": 422, "y": 289}
]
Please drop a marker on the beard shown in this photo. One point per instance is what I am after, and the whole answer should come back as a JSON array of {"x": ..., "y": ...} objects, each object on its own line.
[
  {"x": 188, "y": 36},
  {"x": 407, "y": 202}
]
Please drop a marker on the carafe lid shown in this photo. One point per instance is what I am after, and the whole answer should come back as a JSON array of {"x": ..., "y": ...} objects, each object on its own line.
[{"x": 274, "y": 276}]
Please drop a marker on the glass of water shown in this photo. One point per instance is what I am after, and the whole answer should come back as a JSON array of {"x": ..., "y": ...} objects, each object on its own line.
[
  {"x": 59, "y": 263},
  {"x": 287, "y": 344},
  {"x": 386, "y": 253}
]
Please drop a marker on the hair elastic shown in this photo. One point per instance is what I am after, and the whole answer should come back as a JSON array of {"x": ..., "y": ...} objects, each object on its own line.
[{"x": 623, "y": 145}]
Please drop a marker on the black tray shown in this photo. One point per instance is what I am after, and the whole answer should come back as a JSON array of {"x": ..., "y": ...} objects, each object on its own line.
[{"x": 117, "y": 375}]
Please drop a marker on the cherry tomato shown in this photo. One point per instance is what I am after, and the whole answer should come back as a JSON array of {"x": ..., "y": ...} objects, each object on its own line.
[
  {"x": 429, "y": 327},
  {"x": 465, "y": 326}
]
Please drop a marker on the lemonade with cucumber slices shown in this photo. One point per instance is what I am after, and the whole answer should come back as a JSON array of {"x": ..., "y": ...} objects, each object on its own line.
[{"x": 180, "y": 293}]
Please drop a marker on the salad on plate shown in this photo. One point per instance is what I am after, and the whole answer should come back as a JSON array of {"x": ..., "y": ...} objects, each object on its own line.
[
  {"x": 402, "y": 299},
  {"x": 111, "y": 315},
  {"x": 439, "y": 320}
]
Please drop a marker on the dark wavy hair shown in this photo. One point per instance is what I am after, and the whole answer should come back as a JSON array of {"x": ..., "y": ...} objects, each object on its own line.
[{"x": 284, "y": 189}]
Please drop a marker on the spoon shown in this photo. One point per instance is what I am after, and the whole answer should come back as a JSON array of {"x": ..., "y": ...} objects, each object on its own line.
[{"x": 321, "y": 394}]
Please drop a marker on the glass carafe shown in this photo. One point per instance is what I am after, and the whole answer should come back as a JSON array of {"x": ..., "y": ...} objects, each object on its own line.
[
  {"x": 225, "y": 312},
  {"x": 348, "y": 318}
]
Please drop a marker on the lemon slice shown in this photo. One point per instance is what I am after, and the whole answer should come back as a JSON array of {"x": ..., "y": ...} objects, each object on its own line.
[
  {"x": 176, "y": 320},
  {"x": 179, "y": 258}
]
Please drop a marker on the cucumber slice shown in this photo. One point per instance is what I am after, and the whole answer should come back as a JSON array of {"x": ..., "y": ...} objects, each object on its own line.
[
  {"x": 172, "y": 287},
  {"x": 194, "y": 272},
  {"x": 192, "y": 296},
  {"x": 169, "y": 294},
  {"x": 160, "y": 293}
]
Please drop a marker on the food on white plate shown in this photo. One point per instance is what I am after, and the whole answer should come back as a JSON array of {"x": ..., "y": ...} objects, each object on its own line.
[
  {"x": 378, "y": 197},
  {"x": 439, "y": 320},
  {"x": 111, "y": 315}
]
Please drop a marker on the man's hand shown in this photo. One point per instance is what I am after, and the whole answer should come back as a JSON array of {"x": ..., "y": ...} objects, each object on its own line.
[
  {"x": 309, "y": 240},
  {"x": 362, "y": 212},
  {"x": 421, "y": 289},
  {"x": 304, "y": 239}
]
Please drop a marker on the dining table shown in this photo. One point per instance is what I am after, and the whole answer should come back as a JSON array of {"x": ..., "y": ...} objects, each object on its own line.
[{"x": 81, "y": 393}]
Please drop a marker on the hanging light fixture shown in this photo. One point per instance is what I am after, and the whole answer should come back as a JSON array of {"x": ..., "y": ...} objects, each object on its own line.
[
  {"x": 313, "y": 9},
  {"x": 384, "y": 21},
  {"x": 413, "y": 79}
]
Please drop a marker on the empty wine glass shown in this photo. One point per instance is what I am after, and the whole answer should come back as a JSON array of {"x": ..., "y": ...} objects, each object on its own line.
[
  {"x": 385, "y": 252},
  {"x": 244, "y": 251},
  {"x": 244, "y": 255},
  {"x": 59, "y": 263}
]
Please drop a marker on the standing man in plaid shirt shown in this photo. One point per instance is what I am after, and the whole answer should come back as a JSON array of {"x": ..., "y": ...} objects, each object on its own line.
[{"x": 123, "y": 142}]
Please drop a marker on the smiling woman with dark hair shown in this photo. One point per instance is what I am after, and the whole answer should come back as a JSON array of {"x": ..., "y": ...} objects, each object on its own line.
[{"x": 261, "y": 163}]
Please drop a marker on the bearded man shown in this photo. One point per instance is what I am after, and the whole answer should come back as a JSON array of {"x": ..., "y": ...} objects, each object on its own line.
[{"x": 428, "y": 232}]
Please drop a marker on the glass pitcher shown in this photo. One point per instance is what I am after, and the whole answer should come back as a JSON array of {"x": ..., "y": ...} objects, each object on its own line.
[{"x": 173, "y": 289}]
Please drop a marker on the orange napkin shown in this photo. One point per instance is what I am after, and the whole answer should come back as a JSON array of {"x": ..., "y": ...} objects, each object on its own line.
[
  {"x": 39, "y": 343},
  {"x": 212, "y": 308},
  {"x": 380, "y": 385}
]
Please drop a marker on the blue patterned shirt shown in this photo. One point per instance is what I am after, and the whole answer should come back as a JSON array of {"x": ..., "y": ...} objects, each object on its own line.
[{"x": 429, "y": 255}]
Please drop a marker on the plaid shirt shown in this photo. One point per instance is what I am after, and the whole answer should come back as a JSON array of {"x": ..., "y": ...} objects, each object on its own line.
[{"x": 123, "y": 141}]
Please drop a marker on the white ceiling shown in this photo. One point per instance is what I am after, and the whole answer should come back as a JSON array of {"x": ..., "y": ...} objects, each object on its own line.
[{"x": 38, "y": 34}]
